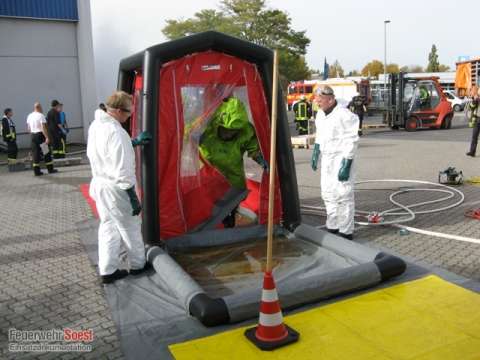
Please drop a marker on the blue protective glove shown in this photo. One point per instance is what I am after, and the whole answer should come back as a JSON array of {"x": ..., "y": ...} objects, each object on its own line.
[
  {"x": 260, "y": 160},
  {"x": 315, "y": 155},
  {"x": 132, "y": 195},
  {"x": 142, "y": 139},
  {"x": 344, "y": 172}
]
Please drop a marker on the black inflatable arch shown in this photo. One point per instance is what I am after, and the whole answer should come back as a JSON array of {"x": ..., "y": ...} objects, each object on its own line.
[{"x": 149, "y": 63}]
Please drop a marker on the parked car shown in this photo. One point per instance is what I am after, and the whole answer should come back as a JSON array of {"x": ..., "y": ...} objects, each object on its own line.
[{"x": 457, "y": 103}]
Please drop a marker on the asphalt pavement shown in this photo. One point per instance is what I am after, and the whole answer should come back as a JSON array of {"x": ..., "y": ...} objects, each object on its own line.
[{"x": 47, "y": 280}]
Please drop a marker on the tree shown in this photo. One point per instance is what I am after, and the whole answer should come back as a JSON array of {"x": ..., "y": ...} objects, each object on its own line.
[
  {"x": 335, "y": 70},
  {"x": 373, "y": 68},
  {"x": 354, "y": 73},
  {"x": 433, "y": 64},
  {"x": 252, "y": 21},
  {"x": 393, "y": 69},
  {"x": 292, "y": 67},
  {"x": 443, "y": 68},
  {"x": 416, "y": 69}
]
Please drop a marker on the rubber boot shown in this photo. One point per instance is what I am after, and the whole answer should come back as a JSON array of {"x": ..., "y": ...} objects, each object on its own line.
[
  {"x": 117, "y": 275},
  {"x": 51, "y": 170},
  {"x": 37, "y": 171},
  {"x": 346, "y": 236},
  {"x": 229, "y": 221}
]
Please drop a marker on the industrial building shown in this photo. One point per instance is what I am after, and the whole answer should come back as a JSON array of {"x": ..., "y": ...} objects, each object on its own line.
[{"x": 46, "y": 53}]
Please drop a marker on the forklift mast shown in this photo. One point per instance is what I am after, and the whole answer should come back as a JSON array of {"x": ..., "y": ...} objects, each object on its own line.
[{"x": 396, "y": 105}]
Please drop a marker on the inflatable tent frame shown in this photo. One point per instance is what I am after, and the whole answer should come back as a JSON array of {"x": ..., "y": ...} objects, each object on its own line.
[
  {"x": 371, "y": 266},
  {"x": 151, "y": 61}
]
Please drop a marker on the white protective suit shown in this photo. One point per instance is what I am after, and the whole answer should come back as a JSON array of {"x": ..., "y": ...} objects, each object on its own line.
[
  {"x": 337, "y": 135},
  {"x": 112, "y": 160}
]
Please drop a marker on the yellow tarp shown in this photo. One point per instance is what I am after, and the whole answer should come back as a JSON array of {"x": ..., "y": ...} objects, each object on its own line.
[{"x": 426, "y": 319}]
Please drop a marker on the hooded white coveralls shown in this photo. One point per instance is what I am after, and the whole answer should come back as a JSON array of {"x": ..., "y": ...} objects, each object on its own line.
[
  {"x": 337, "y": 135},
  {"x": 112, "y": 160}
]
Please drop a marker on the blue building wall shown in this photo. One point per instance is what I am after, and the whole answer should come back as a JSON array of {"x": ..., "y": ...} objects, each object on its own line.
[{"x": 40, "y": 9}]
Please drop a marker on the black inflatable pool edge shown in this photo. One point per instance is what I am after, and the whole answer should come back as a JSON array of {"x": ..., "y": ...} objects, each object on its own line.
[
  {"x": 389, "y": 266},
  {"x": 213, "y": 312},
  {"x": 210, "y": 312}
]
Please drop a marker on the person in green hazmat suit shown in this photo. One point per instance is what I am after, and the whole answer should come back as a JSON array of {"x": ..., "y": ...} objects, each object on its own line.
[{"x": 227, "y": 137}]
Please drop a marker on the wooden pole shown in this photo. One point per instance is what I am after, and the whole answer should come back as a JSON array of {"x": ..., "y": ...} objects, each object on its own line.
[{"x": 273, "y": 156}]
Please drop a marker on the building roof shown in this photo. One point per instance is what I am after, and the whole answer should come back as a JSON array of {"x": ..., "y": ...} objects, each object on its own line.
[{"x": 64, "y": 10}]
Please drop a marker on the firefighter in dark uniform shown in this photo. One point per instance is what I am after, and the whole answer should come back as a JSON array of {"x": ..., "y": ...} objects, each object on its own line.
[
  {"x": 55, "y": 131},
  {"x": 303, "y": 112},
  {"x": 37, "y": 126},
  {"x": 9, "y": 135},
  {"x": 473, "y": 113},
  {"x": 358, "y": 106}
]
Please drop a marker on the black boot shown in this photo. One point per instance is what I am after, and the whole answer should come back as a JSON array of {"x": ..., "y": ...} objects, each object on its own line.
[
  {"x": 229, "y": 221},
  {"x": 37, "y": 171},
  {"x": 51, "y": 170},
  {"x": 117, "y": 275},
  {"x": 346, "y": 236},
  {"x": 333, "y": 231},
  {"x": 147, "y": 266},
  {"x": 470, "y": 154}
]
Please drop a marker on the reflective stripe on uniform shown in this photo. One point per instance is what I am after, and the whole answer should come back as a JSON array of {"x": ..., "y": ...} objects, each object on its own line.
[{"x": 301, "y": 113}]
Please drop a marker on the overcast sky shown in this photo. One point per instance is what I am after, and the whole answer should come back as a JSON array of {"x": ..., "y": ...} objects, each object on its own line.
[{"x": 350, "y": 31}]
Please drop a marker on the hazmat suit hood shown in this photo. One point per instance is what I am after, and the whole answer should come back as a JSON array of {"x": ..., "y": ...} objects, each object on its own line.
[
  {"x": 231, "y": 115},
  {"x": 102, "y": 116},
  {"x": 227, "y": 137}
]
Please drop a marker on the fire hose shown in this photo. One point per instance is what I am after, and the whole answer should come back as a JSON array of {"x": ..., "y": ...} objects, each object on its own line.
[{"x": 404, "y": 213}]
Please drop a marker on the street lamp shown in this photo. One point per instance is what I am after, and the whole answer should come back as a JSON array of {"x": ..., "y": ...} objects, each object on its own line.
[{"x": 385, "y": 22}]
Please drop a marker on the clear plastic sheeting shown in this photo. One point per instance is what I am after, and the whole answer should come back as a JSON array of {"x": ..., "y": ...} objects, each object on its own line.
[
  {"x": 231, "y": 269},
  {"x": 199, "y": 103}
]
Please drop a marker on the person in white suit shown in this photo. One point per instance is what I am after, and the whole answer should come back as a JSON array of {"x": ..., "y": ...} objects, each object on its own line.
[
  {"x": 112, "y": 160},
  {"x": 336, "y": 145}
]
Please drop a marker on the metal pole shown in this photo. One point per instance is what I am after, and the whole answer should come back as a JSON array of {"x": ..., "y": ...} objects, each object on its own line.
[
  {"x": 385, "y": 60},
  {"x": 273, "y": 152}
]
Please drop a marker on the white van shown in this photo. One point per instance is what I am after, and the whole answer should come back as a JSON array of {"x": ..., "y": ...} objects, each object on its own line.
[{"x": 457, "y": 103}]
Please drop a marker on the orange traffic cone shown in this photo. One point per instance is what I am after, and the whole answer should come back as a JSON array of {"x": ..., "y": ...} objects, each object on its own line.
[{"x": 271, "y": 332}]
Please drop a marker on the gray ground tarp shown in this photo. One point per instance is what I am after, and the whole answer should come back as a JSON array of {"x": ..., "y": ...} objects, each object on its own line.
[{"x": 149, "y": 317}]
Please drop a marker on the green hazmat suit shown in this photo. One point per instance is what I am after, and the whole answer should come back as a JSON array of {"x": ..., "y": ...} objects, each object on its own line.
[{"x": 227, "y": 155}]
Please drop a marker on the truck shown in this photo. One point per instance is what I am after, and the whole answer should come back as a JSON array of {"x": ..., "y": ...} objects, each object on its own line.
[
  {"x": 296, "y": 89},
  {"x": 467, "y": 77},
  {"x": 417, "y": 103},
  {"x": 345, "y": 89}
]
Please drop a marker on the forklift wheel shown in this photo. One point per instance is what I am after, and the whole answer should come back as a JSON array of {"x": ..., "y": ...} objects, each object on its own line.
[{"x": 411, "y": 124}]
